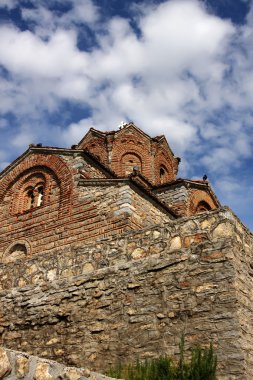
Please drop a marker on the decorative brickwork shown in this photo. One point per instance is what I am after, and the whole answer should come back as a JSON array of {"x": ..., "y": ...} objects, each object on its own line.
[
  {"x": 68, "y": 210},
  {"x": 130, "y": 147}
]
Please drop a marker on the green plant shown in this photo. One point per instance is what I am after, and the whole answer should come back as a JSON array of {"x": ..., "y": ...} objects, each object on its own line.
[{"x": 201, "y": 366}]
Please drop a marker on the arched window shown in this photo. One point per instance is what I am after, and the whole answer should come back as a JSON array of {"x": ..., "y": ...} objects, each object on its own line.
[
  {"x": 164, "y": 175},
  {"x": 130, "y": 161},
  {"x": 202, "y": 207}
]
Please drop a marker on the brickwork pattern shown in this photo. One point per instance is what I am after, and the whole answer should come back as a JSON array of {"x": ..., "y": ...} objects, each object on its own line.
[
  {"x": 70, "y": 212},
  {"x": 129, "y": 147}
]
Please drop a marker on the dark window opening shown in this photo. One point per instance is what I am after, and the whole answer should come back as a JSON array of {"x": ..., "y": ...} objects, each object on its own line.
[
  {"x": 202, "y": 207},
  {"x": 35, "y": 196},
  {"x": 163, "y": 174}
]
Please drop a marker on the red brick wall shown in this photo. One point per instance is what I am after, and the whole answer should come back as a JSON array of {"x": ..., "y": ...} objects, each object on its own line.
[
  {"x": 97, "y": 146},
  {"x": 129, "y": 144},
  {"x": 197, "y": 197},
  {"x": 69, "y": 212}
]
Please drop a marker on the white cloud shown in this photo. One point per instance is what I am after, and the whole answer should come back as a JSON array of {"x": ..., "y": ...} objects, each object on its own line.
[
  {"x": 184, "y": 67},
  {"x": 46, "y": 21},
  {"x": 25, "y": 54}
]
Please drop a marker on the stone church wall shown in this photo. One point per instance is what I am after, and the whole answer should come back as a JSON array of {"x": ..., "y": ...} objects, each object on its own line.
[{"x": 190, "y": 276}]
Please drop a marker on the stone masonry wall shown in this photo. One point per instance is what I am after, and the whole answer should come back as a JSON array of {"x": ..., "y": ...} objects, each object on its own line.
[
  {"x": 176, "y": 198},
  {"x": 16, "y": 365},
  {"x": 110, "y": 251},
  {"x": 158, "y": 283}
]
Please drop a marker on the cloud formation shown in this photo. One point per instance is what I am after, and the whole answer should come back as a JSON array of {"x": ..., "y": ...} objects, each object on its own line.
[{"x": 172, "y": 68}]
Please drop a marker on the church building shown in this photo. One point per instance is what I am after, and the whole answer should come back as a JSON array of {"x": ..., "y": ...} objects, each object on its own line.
[
  {"x": 108, "y": 183},
  {"x": 106, "y": 256}
]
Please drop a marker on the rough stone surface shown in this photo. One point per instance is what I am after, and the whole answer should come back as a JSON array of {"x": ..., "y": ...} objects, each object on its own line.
[
  {"x": 5, "y": 366},
  {"x": 42, "y": 372},
  {"x": 19, "y": 365},
  {"x": 22, "y": 366},
  {"x": 139, "y": 307}
]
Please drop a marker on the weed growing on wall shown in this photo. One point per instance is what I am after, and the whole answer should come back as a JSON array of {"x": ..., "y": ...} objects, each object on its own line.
[{"x": 201, "y": 366}]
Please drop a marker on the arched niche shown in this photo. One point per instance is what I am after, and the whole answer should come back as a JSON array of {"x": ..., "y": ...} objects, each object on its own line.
[
  {"x": 18, "y": 250},
  {"x": 202, "y": 206},
  {"x": 129, "y": 161}
]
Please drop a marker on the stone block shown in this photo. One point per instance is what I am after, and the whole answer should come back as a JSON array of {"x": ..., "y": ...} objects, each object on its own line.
[
  {"x": 22, "y": 366},
  {"x": 5, "y": 366},
  {"x": 42, "y": 372}
]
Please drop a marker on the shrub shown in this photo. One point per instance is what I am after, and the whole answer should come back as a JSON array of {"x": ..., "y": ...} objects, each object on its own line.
[{"x": 201, "y": 366}]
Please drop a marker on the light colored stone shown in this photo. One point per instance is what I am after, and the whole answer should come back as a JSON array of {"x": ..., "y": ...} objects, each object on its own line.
[
  {"x": 88, "y": 267},
  {"x": 31, "y": 269},
  {"x": 138, "y": 253},
  {"x": 22, "y": 367},
  {"x": 52, "y": 341},
  {"x": 52, "y": 274},
  {"x": 160, "y": 316},
  {"x": 175, "y": 243},
  {"x": 86, "y": 372},
  {"x": 188, "y": 227},
  {"x": 205, "y": 287},
  {"x": 42, "y": 372},
  {"x": 67, "y": 273},
  {"x": 223, "y": 230},
  {"x": 5, "y": 366},
  {"x": 207, "y": 223},
  {"x": 72, "y": 374},
  {"x": 156, "y": 234},
  {"x": 133, "y": 285},
  {"x": 22, "y": 282}
]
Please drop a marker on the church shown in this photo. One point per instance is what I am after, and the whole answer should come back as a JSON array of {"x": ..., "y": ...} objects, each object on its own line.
[
  {"x": 110, "y": 182},
  {"x": 106, "y": 256}
]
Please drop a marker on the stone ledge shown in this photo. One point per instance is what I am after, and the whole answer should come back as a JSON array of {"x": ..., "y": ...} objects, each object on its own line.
[{"x": 15, "y": 365}]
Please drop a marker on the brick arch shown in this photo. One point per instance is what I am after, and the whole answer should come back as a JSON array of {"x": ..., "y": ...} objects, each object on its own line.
[
  {"x": 33, "y": 162},
  {"x": 10, "y": 254},
  {"x": 162, "y": 160},
  {"x": 198, "y": 197},
  {"x": 126, "y": 164},
  {"x": 121, "y": 149},
  {"x": 202, "y": 206},
  {"x": 28, "y": 180}
]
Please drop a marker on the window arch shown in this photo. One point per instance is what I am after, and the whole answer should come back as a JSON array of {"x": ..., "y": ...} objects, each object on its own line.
[
  {"x": 164, "y": 174},
  {"x": 129, "y": 161},
  {"x": 29, "y": 193},
  {"x": 202, "y": 206}
]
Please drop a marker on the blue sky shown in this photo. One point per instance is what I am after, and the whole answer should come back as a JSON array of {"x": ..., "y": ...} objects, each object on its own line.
[{"x": 183, "y": 68}]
